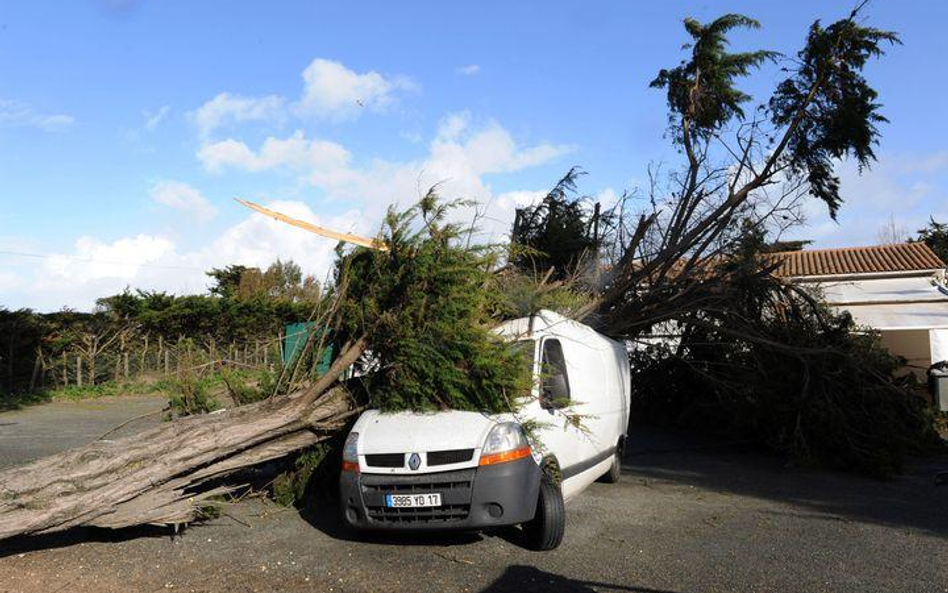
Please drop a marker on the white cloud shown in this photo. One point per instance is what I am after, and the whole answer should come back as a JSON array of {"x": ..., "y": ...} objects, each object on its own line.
[
  {"x": 324, "y": 163},
  {"x": 14, "y": 114},
  {"x": 899, "y": 187},
  {"x": 334, "y": 92},
  {"x": 10, "y": 281},
  {"x": 491, "y": 149},
  {"x": 469, "y": 70},
  {"x": 512, "y": 200},
  {"x": 225, "y": 108},
  {"x": 95, "y": 268},
  {"x": 153, "y": 119},
  {"x": 182, "y": 196},
  {"x": 331, "y": 91},
  {"x": 459, "y": 157},
  {"x": 93, "y": 259}
]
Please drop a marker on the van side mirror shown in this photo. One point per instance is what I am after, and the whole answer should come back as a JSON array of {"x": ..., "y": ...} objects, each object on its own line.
[{"x": 554, "y": 392}]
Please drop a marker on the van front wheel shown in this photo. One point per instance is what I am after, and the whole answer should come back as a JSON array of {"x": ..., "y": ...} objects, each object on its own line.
[{"x": 545, "y": 531}]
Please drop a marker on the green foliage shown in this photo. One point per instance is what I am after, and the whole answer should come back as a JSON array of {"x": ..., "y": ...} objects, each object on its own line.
[
  {"x": 425, "y": 306},
  {"x": 282, "y": 281},
  {"x": 935, "y": 235},
  {"x": 79, "y": 392},
  {"x": 190, "y": 394},
  {"x": 701, "y": 91},
  {"x": 520, "y": 294},
  {"x": 21, "y": 335},
  {"x": 558, "y": 234},
  {"x": 312, "y": 468},
  {"x": 770, "y": 363},
  {"x": 244, "y": 303},
  {"x": 203, "y": 317},
  {"x": 782, "y": 246},
  {"x": 841, "y": 109},
  {"x": 226, "y": 280},
  {"x": 247, "y": 388}
]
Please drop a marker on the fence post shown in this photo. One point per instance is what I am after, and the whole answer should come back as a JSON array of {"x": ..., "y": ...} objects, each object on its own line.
[
  {"x": 65, "y": 370},
  {"x": 167, "y": 362},
  {"x": 78, "y": 370},
  {"x": 125, "y": 361},
  {"x": 37, "y": 366},
  {"x": 280, "y": 337},
  {"x": 141, "y": 367}
]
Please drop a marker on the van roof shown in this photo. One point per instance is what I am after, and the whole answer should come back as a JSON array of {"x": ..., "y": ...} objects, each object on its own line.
[{"x": 546, "y": 322}]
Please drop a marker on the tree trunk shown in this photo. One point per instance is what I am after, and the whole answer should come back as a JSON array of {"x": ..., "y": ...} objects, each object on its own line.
[{"x": 162, "y": 476}]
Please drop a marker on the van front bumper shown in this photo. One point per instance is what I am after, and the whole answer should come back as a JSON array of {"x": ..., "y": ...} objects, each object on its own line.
[{"x": 472, "y": 499}]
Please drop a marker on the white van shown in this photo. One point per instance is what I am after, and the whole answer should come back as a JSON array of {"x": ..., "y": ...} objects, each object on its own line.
[{"x": 472, "y": 471}]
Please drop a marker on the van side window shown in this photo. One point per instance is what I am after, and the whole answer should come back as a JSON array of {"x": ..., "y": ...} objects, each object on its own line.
[{"x": 554, "y": 386}]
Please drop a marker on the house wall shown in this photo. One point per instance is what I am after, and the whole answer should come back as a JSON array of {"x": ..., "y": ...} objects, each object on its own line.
[
  {"x": 912, "y": 344},
  {"x": 939, "y": 341}
]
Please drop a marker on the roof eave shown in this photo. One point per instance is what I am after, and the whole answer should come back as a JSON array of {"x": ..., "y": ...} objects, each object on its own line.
[{"x": 862, "y": 276}]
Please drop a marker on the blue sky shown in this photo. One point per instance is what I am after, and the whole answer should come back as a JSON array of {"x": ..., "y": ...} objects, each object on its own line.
[{"x": 127, "y": 126}]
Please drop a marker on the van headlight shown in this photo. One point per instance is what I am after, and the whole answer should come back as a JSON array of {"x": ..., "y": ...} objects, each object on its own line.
[
  {"x": 350, "y": 453},
  {"x": 505, "y": 442}
]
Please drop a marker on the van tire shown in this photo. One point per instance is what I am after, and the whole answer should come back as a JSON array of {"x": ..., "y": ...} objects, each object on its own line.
[
  {"x": 545, "y": 531},
  {"x": 615, "y": 470}
]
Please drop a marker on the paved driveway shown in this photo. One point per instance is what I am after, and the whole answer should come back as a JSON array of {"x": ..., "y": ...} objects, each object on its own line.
[{"x": 688, "y": 516}]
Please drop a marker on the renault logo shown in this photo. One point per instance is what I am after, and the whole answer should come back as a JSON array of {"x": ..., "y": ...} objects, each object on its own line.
[{"x": 414, "y": 461}]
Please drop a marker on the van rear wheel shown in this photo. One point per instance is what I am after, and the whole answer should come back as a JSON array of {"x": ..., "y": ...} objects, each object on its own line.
[
  {"x": 615, "y": 470},
  {"x": 545, "y": 531}
]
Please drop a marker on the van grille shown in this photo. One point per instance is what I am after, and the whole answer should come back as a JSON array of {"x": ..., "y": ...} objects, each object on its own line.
[
  {"x": 448, "y": 457},
  {"x": 385, "y": 460},
  {"x": 434, "y": 458},
  {"x": 455, "y": 489}
]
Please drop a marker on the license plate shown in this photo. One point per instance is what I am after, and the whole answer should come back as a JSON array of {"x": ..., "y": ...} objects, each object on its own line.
[{"x": 404, "y": 501}]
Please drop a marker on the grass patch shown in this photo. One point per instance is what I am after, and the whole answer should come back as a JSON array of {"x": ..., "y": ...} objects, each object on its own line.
[{"x": 77, "y": 393}]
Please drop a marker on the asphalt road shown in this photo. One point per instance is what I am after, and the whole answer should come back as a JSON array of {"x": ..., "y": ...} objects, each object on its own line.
[
  {"x": 41, "y": 430},
  {"x": 688, "y": 516}
]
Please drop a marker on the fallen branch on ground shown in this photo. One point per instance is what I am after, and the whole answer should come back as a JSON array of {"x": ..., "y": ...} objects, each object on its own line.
[{"x": 164, "y": 476}]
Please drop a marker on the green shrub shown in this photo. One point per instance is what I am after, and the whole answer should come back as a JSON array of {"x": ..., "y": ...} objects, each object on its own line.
[
  {"x": 248, "y": 387},
  {"x": 190, "y": 394}
]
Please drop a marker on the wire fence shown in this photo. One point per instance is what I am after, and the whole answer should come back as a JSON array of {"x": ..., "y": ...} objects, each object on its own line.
[{"x": 98, "y": 360}]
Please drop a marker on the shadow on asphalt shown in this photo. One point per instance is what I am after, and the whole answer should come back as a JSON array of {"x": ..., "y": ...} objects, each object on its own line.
[
  {"x": 913, "y": 499},
  {"x": 528, "y": 579},
  {"x": 326, "y": 518},
  {"x": 78, "y": 535}
]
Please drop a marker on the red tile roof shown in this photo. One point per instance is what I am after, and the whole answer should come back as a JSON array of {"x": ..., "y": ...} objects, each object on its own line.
[{"x": 879, "y": 259}]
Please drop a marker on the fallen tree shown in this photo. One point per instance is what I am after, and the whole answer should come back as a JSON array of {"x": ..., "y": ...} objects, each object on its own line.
[{"x": 168, "y": 474}]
